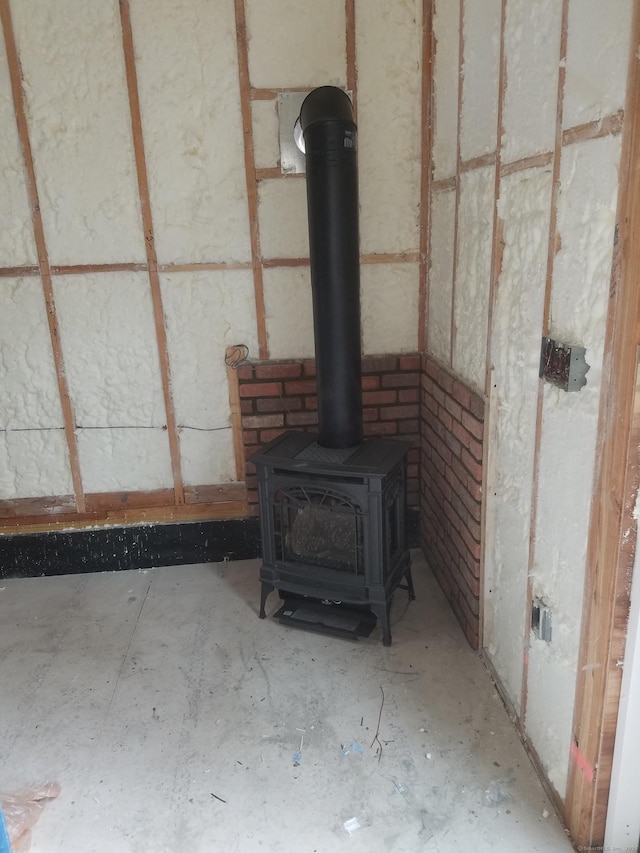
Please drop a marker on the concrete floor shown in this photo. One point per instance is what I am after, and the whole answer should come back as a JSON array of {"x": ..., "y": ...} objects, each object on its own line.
[{"x": 170, "y": 714}]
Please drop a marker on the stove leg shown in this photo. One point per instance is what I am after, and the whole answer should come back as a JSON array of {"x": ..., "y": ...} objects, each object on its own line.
[
  {"x": 266, "y": 589},
  {"x": 382, "y": 614},
  {"x": 409, "y": 579}
]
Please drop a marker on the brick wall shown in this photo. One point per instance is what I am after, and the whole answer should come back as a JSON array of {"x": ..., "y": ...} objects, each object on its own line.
[
  {"x": 451, "y": 489},
  {"x": 279, "y": 395}
]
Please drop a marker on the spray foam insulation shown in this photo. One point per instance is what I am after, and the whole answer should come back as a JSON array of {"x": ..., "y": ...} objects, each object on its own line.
[
  {"x": 388, "y": 50},
  {"x": 111, "y": 360},
  {"x": 28, "y": 384},
  {"x": 264, "y": 118},
  {"x": 187, "y": 68},
  {"x": 481, "y": 70},
  {"x": 290, "y": 47},
  {"x": 443, "y": 212},
  {"x": 211, "y": 310},
  {"x": 446, "y": 21},
  {"x": 34, "y": 463},
  {"x": 532, "y": 48},
  {"x": 524, "y": 207},
  {"x": 282, "y": 210},
  {"x": 586, "y": 223},
  {"x": 389, "y": 298},
  {"x": 33, "y": 450},
  {"x": 473, "y": 274},
  {"x": 16, "y": 235},
  {"x": 78, "y": 115},
  {"x": 289, "y": 312},
  {"x": 597, "y": 58}
]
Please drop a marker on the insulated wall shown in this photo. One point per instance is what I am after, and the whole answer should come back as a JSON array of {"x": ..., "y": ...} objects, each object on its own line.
[
  {"x": 528, "y": 105},
  {"x": 147, "y": 227}
]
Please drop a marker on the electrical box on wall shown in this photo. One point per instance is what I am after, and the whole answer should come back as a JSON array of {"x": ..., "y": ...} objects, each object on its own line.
[
  {"x": 541, "y": 620},
  {"x": 563, "y": 365}
]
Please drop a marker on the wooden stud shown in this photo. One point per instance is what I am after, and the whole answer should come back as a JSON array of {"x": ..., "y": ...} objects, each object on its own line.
[
  {"x": 352, "y": 68},
  {"x": 152, "y": 260},
  {"x": 497, "y": 240},
  {"x": 227, "y": 500},
  {"x": 613, "y": 530},
  {"x": 535, "y": 161},
  {"x": 478, "y": 162},
  {"x": 204, "y": 266},
  {"x": 233, "y": 359},
  {"x": 454, "y": 276},
  {"x": 609, "y": 126},
  {"x": 41, "y": 249},
  {"x": 426, "y": 149},
  {"x": 250, "y": 172},
  {"x": 19, "y": 272},
  {"x": 551, "y": 253},
  {"x": 88, "y": 269}
]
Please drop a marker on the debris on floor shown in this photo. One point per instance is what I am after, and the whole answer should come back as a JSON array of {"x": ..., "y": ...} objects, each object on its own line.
[{"x": 21, "y": 811}]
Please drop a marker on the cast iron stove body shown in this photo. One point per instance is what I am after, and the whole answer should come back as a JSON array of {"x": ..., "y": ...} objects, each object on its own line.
[{"x": 332, "y": 522}]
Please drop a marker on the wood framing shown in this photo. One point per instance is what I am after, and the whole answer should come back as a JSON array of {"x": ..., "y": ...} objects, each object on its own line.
[
  {"x": 149, "y": 240},
  {"x": 15, "y": 75},
  {"x": 552, "y": 247},
  {"x": 612, "y": 538},
  {"x": 454, "y": 274},
  {"x": 426, "y": 148},
  {"x": 250, "y": 169}
]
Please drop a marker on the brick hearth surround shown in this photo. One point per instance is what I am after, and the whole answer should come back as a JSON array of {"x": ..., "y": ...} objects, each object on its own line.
[
  {"x": 404, "y": 396},
  {"x": 452, "y": 421}
]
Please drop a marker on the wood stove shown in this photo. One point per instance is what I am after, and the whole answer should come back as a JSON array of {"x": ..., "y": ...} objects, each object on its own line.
[
  {"x": 332, "y": 522},
  {"x": 332, "y": 505}
]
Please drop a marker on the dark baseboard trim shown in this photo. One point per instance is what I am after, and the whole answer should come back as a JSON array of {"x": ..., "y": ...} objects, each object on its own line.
[{"x": 136, "y": 547}]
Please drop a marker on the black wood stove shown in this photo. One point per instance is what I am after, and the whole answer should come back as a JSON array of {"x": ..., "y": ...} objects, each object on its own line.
[{"x": 332, "y": 505}]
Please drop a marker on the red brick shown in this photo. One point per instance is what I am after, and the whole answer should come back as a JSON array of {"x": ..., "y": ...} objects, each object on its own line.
[
  {"x": 454, "y": 409},
  {"x": 261, "y": 389},
  {"x": 245, "y": 371},
  {"x": 475, "y": 427},
  {"x": 370, "y": 383},
  {"x": 445, "y": 419},
  {"x": 263, "y": 421},
  {"x": 398, "y": 413},
  {"x": 379, "y": 364},
  {"x": 369, "y": 415},
  {"x": 304, "y": 386},
  {"x": 268, "y": 435},
  {"x": 410, "y": 362},
  {"x": 401, "y": 380},
  {"x": 378, "y": 428},
  {"x": 246, "y": 407},
  {"x": 378, "y": 398},
  {"x": 474, "y": 468},
  {"x": 475, "y": 449},
  {"x": 413, "y": 470},
  {"x": 279, "y": 404},
  {"x": 302, "y": 418},
  {"x": 311, "y": 403},
  {"x": 409, "y": 427},
  {"x": 249, "y": 437},
  {"x": 476, "y": 406},
  {"x": 460, "y": 433},
  {"x": 278, "y": 371},
  {"x": 309, "y": 368},
  {"x": 409, "y": 395},
  {"x": 462, "y": 394}
]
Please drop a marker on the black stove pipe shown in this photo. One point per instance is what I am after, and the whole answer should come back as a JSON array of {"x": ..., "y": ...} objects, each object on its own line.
[{"x": 330, "y": 138}]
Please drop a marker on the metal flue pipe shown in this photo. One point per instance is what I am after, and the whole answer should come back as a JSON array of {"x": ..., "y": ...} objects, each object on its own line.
[{"x": 330, "y": 141}]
